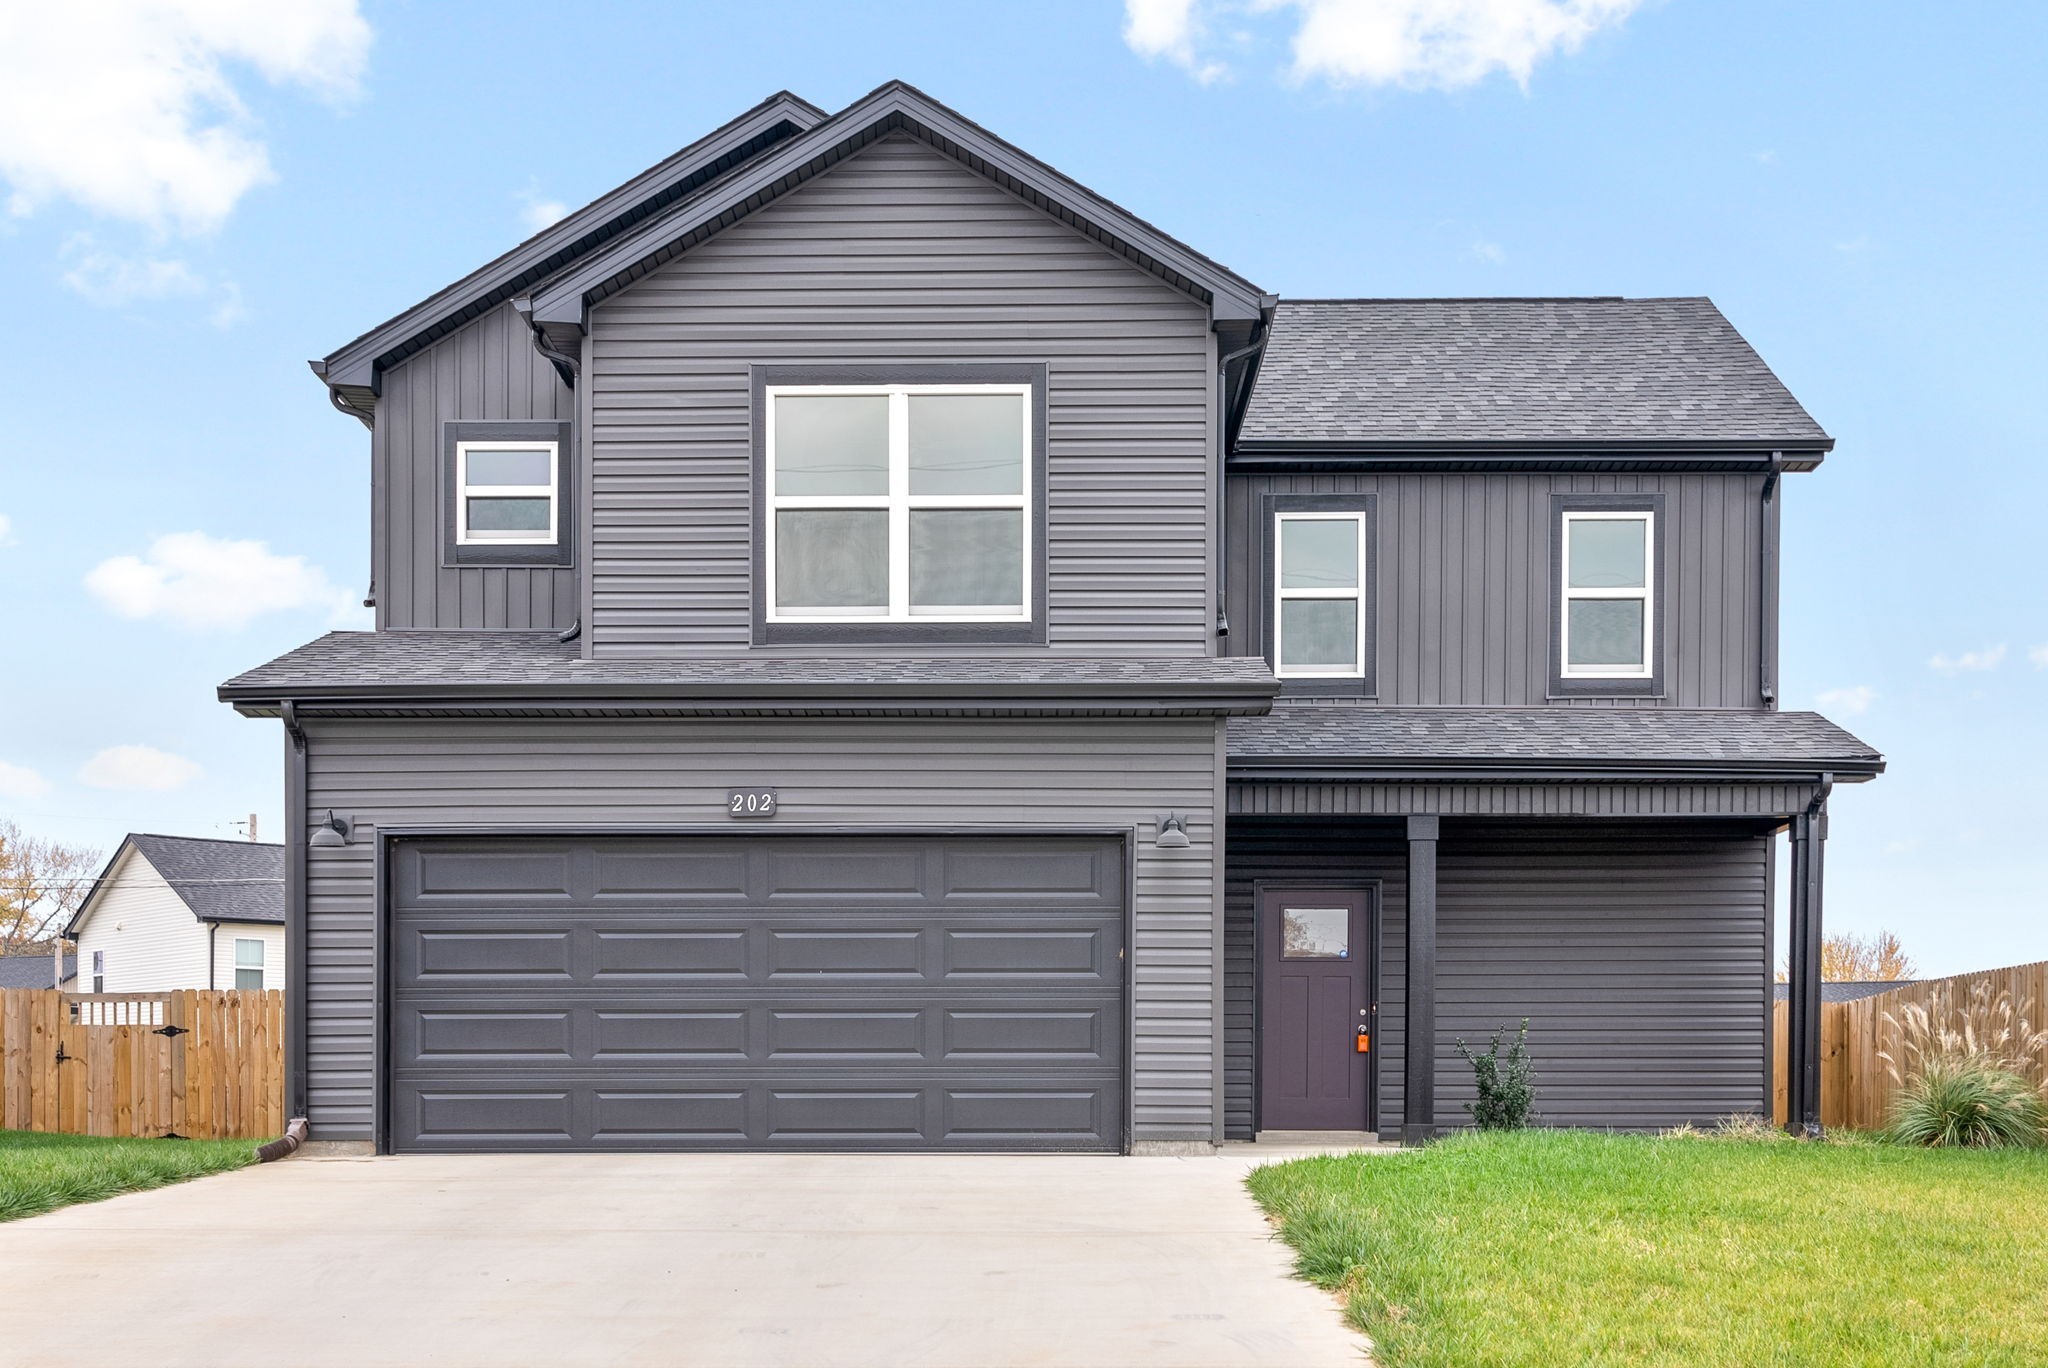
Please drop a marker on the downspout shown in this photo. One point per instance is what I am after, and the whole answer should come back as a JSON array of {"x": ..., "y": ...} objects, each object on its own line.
[
  {"x": 1767, "y": 607},
  {"x": 212, "y": 952},
  {"x": 1221, "y": 532},
  {"x": 295, "y": 1090}
]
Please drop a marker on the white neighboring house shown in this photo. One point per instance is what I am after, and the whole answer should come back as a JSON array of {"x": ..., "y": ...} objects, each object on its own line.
[{"x": 182, "y": 912}]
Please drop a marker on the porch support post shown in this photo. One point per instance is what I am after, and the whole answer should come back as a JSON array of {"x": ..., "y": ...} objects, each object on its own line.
[
  {"x": 1418, "y": 1109},
  {"x": 1803, "y": 953}
]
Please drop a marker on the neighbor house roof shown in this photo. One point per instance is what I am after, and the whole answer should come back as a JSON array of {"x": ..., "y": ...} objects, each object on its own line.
[
  {"x": 1304, "y": 736},
  {"x": 1846, "y": 992},
  {"x": 33, "y": 971},
  {"x": 221, "y": 881},
  {"x": 1551, "y": 373},
  {"x": 499, "y": 671}
]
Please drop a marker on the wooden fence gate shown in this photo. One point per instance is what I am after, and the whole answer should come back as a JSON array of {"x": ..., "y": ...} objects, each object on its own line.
[{"x": 197, "y": 1064}]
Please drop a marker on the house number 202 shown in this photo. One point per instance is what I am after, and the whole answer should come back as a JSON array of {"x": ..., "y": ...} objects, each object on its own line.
[{"x": 750, "y": 802}]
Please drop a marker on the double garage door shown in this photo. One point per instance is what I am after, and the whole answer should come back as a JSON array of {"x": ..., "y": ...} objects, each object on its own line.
[{"x": 756, "y": 992}]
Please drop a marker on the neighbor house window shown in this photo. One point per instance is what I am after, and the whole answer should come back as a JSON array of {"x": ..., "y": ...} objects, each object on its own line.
[
  {"x": 507, "y": 494},
  {"x": 1607, "y": 566},
  {"x": 1319, "y": 610},
  {"x": 99, "y": 971},
  {"x": 248, "y": 963},
  {"x": 899, "y": 504}
]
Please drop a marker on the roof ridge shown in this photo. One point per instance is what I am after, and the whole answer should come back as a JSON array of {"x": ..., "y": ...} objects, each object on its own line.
[{"x": 216, "y": 840}]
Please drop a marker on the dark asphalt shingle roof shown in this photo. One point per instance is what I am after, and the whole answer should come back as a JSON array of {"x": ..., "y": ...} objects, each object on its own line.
[
  {"x": 425, "y": 660},
  {"x": 1846, "y": 992},
  {"x": 1419, "y": 371},
  {"x": 1371, "y": 735},
  {"x": 219, "y": 880},
  {"x": 32, "y": 971}
]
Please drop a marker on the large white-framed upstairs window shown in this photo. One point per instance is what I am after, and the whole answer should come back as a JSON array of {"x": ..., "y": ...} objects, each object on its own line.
[
  {"x": 905, "y": 505},
  {"x": 1319, "y": 594},
  {"x": 1607, "y": 596},
  {"x": 507, "y": 493}
]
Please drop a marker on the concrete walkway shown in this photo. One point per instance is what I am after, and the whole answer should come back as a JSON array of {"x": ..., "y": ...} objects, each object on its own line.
[{"x": 804, "y": 1261}]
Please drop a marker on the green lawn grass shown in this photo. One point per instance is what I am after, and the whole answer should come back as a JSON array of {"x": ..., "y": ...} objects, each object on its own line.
[
  {"x": 1564, "y": 1248},
  {"x": 40, "y": 1173}
]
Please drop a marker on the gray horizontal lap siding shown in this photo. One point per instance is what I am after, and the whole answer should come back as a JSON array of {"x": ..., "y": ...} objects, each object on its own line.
[
  {"x": 900, "y": 255},
  {"x": 1015, "y": 775},
  {"x": 1640, "y": 954},
  {"x": 1464, "y": 582},
  {"x": 486, "y": 371}
]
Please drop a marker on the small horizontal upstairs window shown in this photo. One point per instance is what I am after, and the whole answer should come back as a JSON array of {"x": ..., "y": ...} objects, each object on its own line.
[
  {"x": 898, "y": 503},
  {"x": 1319, "y": 586},
  {"x": 1607, "y": 627},
  {"x": 507, "y": 494}
]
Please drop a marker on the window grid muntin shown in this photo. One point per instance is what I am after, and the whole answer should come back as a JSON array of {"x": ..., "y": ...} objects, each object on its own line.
[
  {"x": 1356, "y": 593},
  {"x": 899, "y": 502},
  {"x": 551, "y": 491},
  {"x": 1644, "y": 594}
]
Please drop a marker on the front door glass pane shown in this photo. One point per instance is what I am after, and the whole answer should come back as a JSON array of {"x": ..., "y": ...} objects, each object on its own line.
[{"x": 1316, "y": 933}]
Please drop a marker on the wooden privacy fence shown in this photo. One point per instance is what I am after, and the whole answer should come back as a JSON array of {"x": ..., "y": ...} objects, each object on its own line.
[
  {"x": 202, "y": 1065},
  {"x": 1856, "y": 1089}
]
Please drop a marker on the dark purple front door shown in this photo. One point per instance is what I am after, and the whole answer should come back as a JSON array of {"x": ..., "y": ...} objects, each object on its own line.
[{"x": 1315, "y": 1008}]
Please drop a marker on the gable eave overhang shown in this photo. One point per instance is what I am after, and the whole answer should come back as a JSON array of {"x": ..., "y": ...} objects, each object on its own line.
[
  {"x": 566, "y": 299},
  {"x": 1549, "y": 454},
  {"x": 352, "y": 371}
]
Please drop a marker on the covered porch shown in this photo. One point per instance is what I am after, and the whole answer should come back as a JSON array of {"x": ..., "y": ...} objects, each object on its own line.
[{"x": 1610, "y": 876}]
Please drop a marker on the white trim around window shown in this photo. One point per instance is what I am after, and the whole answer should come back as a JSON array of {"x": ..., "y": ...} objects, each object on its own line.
[
  {"x": 1333, "y": 590},
  {"x": 495, "y": 488},
  {"x": 1607, "y": 584},
  {"x": 895, "y": 498},
  {"x": 248, "y": 962}
]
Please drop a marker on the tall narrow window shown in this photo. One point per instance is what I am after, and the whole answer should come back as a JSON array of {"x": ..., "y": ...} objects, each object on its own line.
[
  {"x": 248, "y": 963},
  {"x": 99, "y": 971},
  {"x": 898, "y": 503},
  {"x": 1319, "y": 595},
  {"x": 1607, "y": 627},
  {"x": 507, "y": 494}
]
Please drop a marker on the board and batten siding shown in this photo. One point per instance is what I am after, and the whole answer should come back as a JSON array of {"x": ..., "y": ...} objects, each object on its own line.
[
  {"x": 1015, "y": 775},
  {"x": 1464, "y": 582},
  {"x": 486, "y": 371},
  {"x": 1639, "y": 952},
  {"x": 900, "y": 255}
]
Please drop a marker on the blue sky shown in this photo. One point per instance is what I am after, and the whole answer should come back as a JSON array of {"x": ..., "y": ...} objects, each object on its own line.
[{"x": 1858, "y": 186}]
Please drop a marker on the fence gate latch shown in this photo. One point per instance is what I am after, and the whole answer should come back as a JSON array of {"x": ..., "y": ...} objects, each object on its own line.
[
  {"x": 61, "y": 1056},
  {"x": 173, "y": 1031}
]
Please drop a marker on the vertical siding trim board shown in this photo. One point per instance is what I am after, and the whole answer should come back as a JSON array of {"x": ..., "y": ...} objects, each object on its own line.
[
  {"x": 760, "y": 378},
  {"x": 297, "y": 951},
  {"x": 1418, "y": 1114}
]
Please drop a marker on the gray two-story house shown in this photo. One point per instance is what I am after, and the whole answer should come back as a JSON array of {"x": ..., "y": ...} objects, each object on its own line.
[{"x": 879, "y": 648}]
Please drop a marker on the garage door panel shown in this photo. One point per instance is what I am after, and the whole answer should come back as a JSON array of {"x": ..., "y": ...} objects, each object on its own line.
[
  {"x": 719, "y": 993},
  {"x": 459, "y": 873}
]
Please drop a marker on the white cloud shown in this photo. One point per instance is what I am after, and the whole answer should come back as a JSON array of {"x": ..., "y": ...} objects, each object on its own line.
[
  {"x": 106, "y": 278},
  {"x": 138, "y": 767},
  {"x": 1987, "y": 659},
  {"x": 1441, "y": 44},
  {"x": 1172, "y": 29},
  {"x": 130, "y": 109},
  {"x": 194, "y": 580},
  {"x": 537, "y": 212},
  {"x": 2039, "y": 655},
  {"x": 7, "y": 534},
  {"x": 1489, "y": 252},
  {"x": 1851, "y": 701},
  {"x": 19, "y": 781}
]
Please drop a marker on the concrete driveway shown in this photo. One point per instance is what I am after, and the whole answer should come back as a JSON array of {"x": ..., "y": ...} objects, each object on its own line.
[{"x": 965, "y": 1262}]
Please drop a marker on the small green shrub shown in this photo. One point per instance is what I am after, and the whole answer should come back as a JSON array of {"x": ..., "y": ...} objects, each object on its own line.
[
  {"x": 1970, "y": 1102},
  {"x": 1505, "y": 1091}
]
